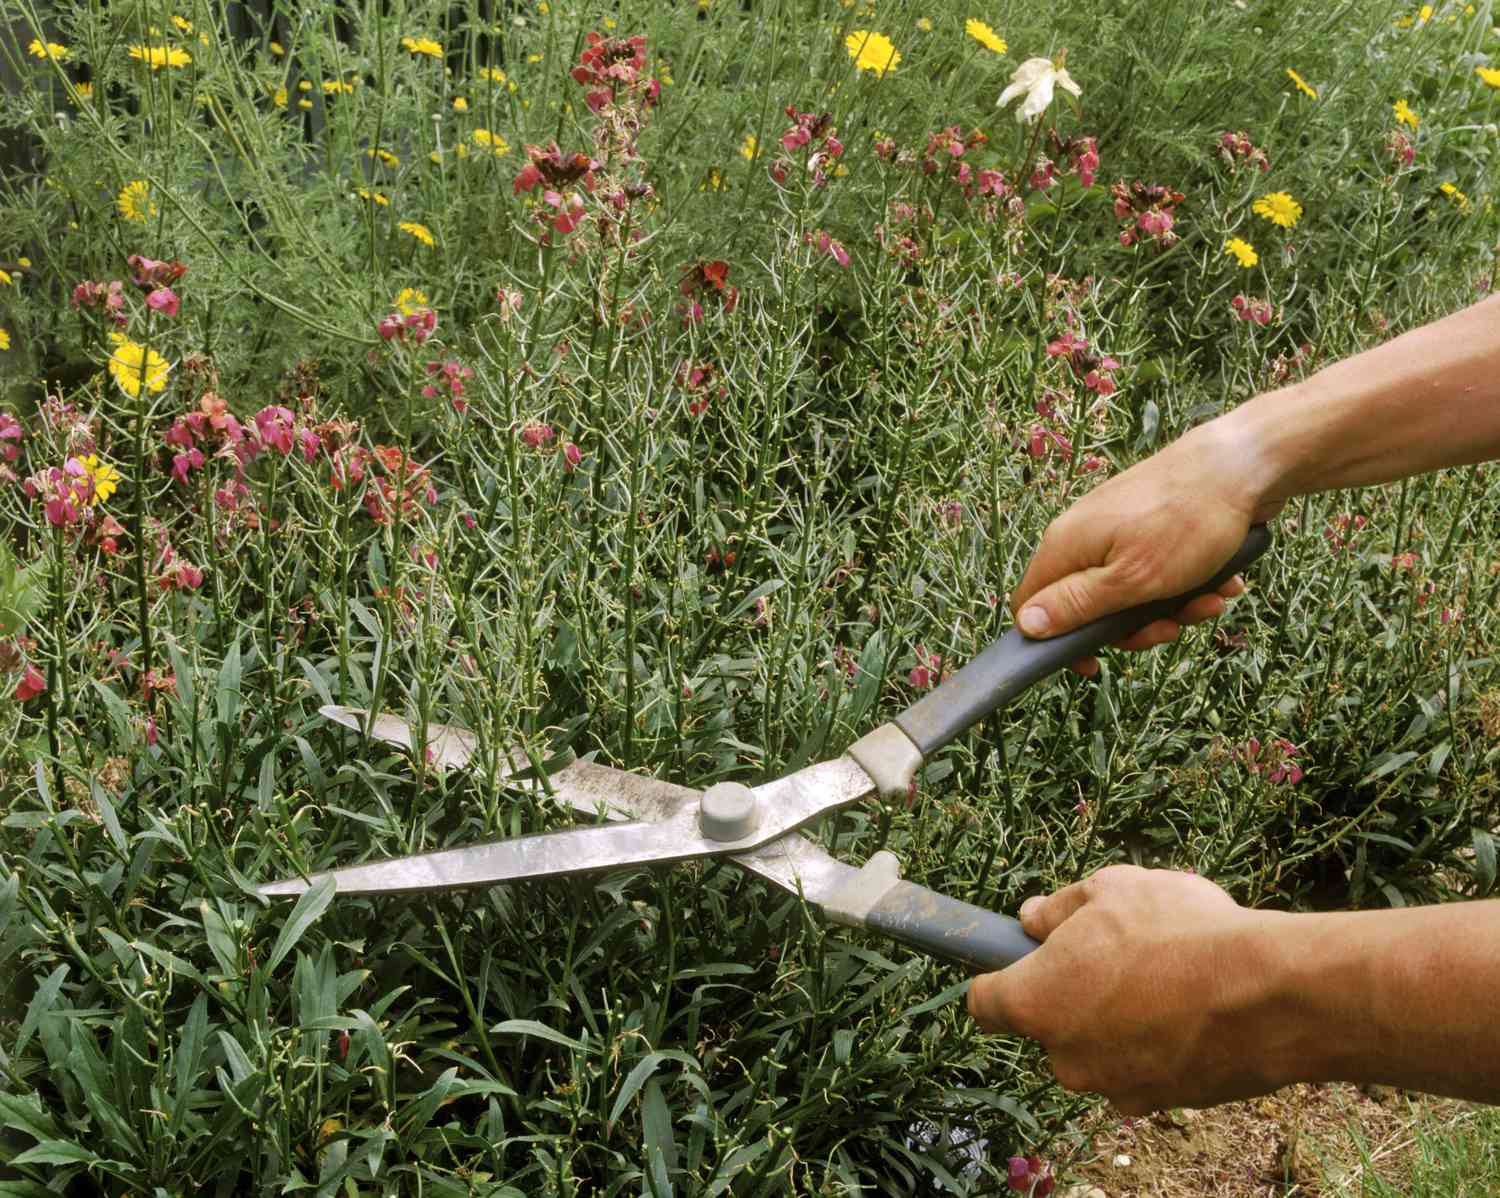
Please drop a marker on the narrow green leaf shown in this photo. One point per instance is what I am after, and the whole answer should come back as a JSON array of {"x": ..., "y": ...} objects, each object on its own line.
[
  {"x": 310, "y": 904},
  {"x": 660, "y": 1143},
  {"x": 1484, "y": 862},
  {"x": 41, "y": 1003},
  {"x": 188, "y": 1061},
  {"x": 530, "y": 1027}
]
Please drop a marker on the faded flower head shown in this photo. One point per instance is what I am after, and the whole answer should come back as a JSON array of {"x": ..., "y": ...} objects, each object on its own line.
[{"x": 1037, "y": 79}]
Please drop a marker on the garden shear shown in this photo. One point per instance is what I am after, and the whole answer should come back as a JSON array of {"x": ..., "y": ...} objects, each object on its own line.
[{"x": 759, "y": 828}]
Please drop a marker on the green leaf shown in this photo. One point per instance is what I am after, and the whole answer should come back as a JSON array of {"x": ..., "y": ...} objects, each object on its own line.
[
  {"x": 530, "y": 1027},
  {"x": 188, "y": 1061},
  {"x": 1484, "y": 862},
  {"x": 58, "y": 1152},
  {"x": 659, "y": 1142},
  {"x": 41, "y": 1003},
  {"x": 637, "y": 1077},
  {"x": 25, "y": 1113},
  {"x": 310, "y": 904}
]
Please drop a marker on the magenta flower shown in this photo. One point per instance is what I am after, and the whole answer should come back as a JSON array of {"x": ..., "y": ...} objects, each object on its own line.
[
  {"x": 163, "y": 300},
  {"x": 10, "y": 437},
  {"x": 538, "y": 435},
  {"x": 273, "y": 428},
  {"x": 148, "y": 272},
  {"x": 183, "y": 463},
  {"x": 1029, "y": 1175},
  {"x": 572, "y": 456},
  {"x": 928, "y": 670}
]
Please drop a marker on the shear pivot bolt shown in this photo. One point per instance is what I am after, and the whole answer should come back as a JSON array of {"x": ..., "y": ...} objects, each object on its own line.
[{"x": 727, "y": 811}]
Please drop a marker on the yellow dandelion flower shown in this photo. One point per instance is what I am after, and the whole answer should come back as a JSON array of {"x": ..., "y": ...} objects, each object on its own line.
[
  {"x": 106, "y": 477},
  {"x": 5, "y": 279},
  {"x": 4, "y": 340},
  {"x": 872, "y": 52},
  {"x": 157, "y": 57},
  {"x": 41, "y": 50},
  {"x": 182, "y": 23},
  {"x": 423, "y": 45},
  {"x": 534, "y": 58},
  {"x": 1455, "y": 195},
  {"x": 134, "y": 201},
  {"x": 924, "y": 24},
  {"x": 278, "y": 49},
  {"x": 24, "y": 263},
  {"x": 1424, "y": 14},
  {"x": 609, "y": 22},
  {"x": 131, "y": 364},
  {"x": 460, "y": 104},
  {"x": 494, "y": 141},
  {"x": 421, "y": 232},
  {"x": 384, "y": 157},
  {"x": 1303, "y": 85},
  {"x": 985, "y": 36},
  {"x": 374, "y": 197},
  {"x": 85, "y": 90},
  {"x": 1404, "y": 114},
  {"x": 1279, "y": 208},
  {"x": 748, "y": 147},
  {"x": 411, "y": 300},
  {"x": 1243, "y": 251},
  {"x": 1489, "y": 74},
  {"x": 278, "y": 97}
]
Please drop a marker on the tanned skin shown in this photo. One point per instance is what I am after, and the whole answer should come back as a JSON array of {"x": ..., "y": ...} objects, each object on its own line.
[{"x": 1152, "y": 987}]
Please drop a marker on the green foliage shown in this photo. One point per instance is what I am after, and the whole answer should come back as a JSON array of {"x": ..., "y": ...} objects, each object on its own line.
[{"x": 703, "y": 548}]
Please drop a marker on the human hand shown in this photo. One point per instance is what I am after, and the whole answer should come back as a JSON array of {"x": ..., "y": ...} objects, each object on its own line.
[
  {"x": 1151, "y": 987},
  {"x": 1158, "y": 529}
]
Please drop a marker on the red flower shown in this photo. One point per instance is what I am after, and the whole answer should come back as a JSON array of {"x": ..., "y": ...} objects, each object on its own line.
[
  {"x": 148, "y": 272},
  {"x": 10, "y": 437},
  {"x": 572, "y": 456},
  {"x": 32, "y": 684},
  {"x": 537, "y": 435}
]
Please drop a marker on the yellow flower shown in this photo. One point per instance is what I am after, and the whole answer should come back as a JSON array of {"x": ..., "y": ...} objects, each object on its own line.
[
  {"x": 748, "y": 147},
  {"x": 305, "y": 104},
  {"x": 483, "y": 137},
  {"x": 5, "y": 278},
  {"x": 1455, "y": 195},
  {"x": 134, "y": 201},
  {"x": 157, "y": 57},
  {"x": 1489, "y": 74},
  {"x": 332, "y": 87},
  {"x": 1303, "y": 85},
  {"x": 421, "y": 232},
  {"x": 182, "y": 23},
  {"x": 1404, "y": 114},
  {"x": 460, "y": 104},
  {"x": 131, "y": 364},
  {"x": 4, "y": 340},
  {"x": 278, "y": 97},
  {"x": 985, "y": 36},
  {"x": 1242, "y": 250},
  {"x": 56, "y": 51},
  {"x": 534, "y": 58},
  {"x": 385, "y": 157},
  {"x": 924, "y": 24},
  {"x": 1424, "y": 14},
  {"x": 85, "y": 91},
  {"x": 423, "y": 45},
  {"x": 106, "y": 477},
  {"x": 374, "y": 197},
  {"x": 872, "y": 52},
  {"x": 1279, "y": 208},
  {"x": 278, "y": 49},
  {"x": 411, "y": 300}
]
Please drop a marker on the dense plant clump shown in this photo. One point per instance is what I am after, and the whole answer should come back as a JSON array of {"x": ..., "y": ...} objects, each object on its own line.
[{"x": 686, "y": 386}]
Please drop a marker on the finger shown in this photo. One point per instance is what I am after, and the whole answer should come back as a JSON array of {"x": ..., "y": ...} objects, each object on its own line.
[
  {"x": 1087, "y": 666},
  {"x": 1062, "y": 551},
  {"x": 1235, "y": 586},
  {"x": 1077, "y": 599},
  {"x": 1158, "y": 632},
  {"x": 997, "y": 1000},
  {"x": 1043, "y": 913}
]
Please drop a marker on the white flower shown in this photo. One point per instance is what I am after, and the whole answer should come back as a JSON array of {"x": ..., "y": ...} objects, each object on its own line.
[{"x": 1036, "y": 77}]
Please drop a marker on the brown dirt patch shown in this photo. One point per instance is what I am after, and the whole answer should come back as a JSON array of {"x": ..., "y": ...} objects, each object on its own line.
[{"x": 1301, "y": 1142}]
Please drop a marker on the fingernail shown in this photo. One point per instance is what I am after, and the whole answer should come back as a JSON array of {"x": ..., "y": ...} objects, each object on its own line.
[
  {"x": 1034, "y": 621},
  {"x": 1029, "y": 907}
]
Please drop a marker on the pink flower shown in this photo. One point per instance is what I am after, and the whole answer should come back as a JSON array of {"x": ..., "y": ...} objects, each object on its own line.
[
  {"x": 148, "y": 272},
  {"x": 273, "y": 427},
  {"x": 10, "y": 437},
  {"x": 163, "y": 300},
  {"x": 572, "y": 456},
  {"x": 183, "y": 463},
  {"x": 32, "y": 684},
  {"x": 537, "y": 435},
  {"x": 927, "y": 671},
  {"x": 1068, "y": 343},
  {"x": 151, "y": 731},
  {"x": 510, "y": 302},
  {"x": 1029, "y": 1175},
  {"x": 834, "y": 249}
]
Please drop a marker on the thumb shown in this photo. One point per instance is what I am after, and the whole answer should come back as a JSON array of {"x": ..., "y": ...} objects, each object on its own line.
[{"x": 1075, "y": 600}]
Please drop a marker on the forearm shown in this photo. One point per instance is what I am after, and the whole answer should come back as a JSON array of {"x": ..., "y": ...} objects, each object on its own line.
[
  {"x": 1428, "y": 399},
  {"x": 1407, "y": 998}
]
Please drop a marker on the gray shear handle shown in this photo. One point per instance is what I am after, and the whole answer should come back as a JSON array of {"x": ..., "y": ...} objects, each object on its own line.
[
  {"x": 1012, "y": 663},
  {"x": 945, "y": 927}
]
